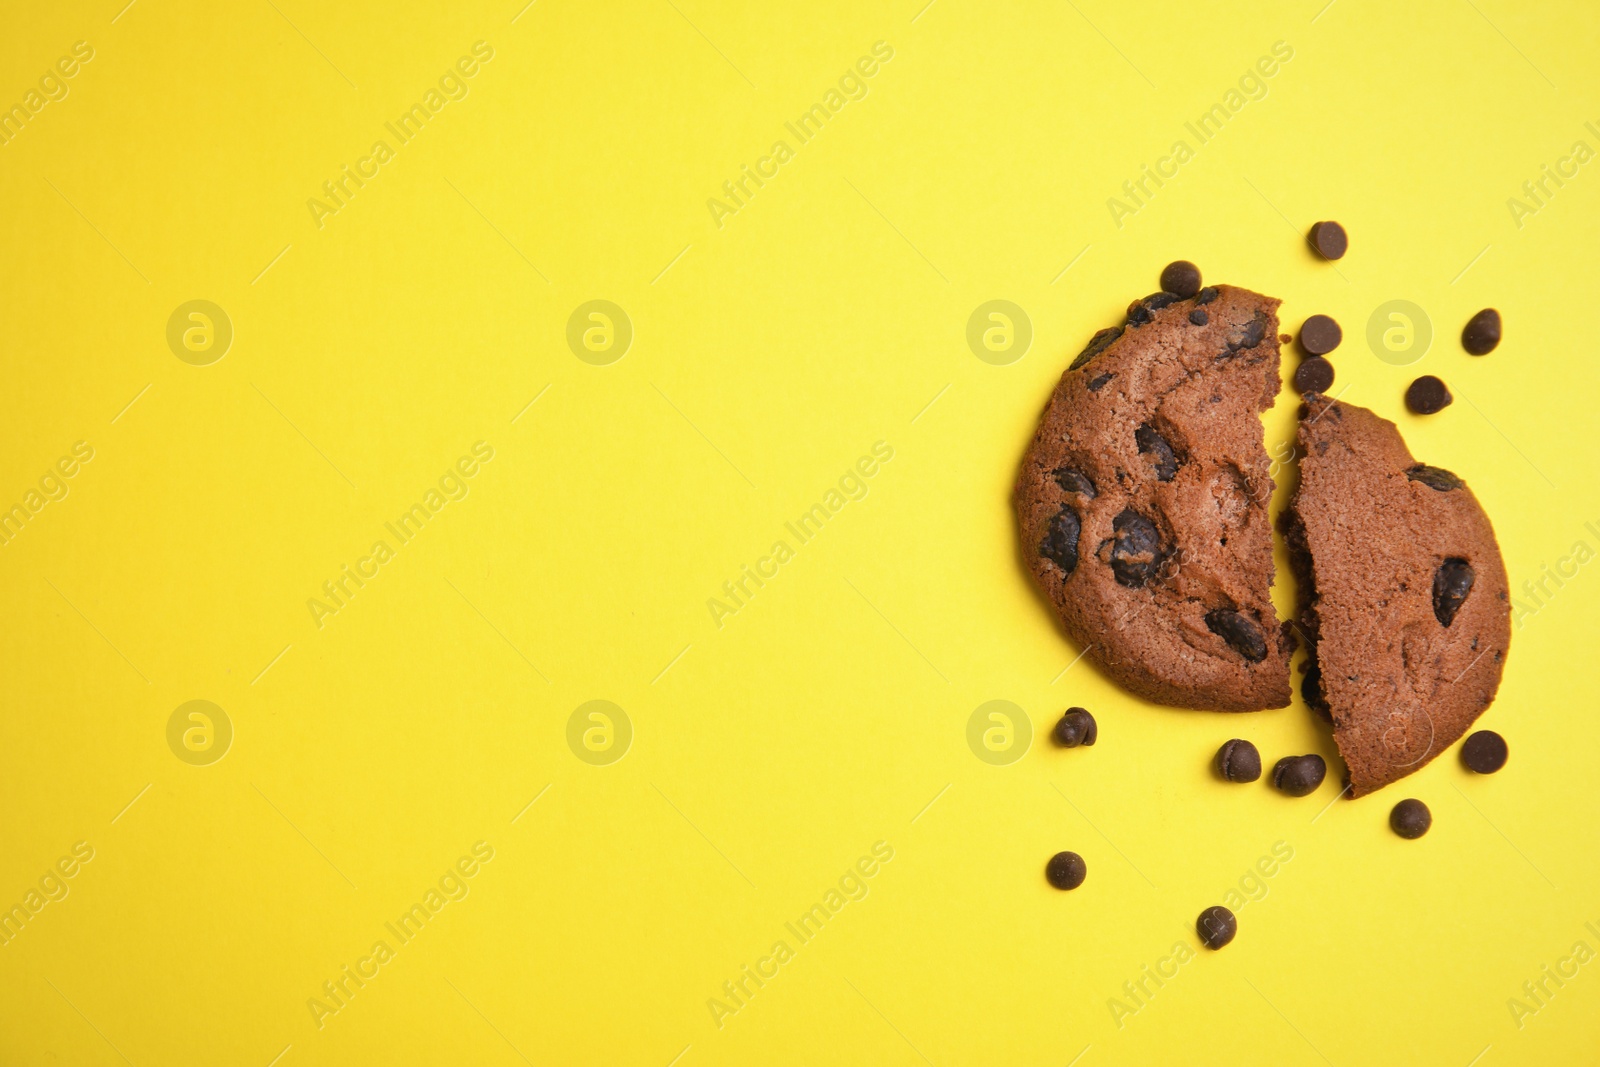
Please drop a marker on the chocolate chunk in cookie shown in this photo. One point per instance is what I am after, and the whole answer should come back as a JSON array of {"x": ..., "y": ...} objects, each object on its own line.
[
  {"x": 1403, "y": 594},
  {"x": 1142, "y": 502}
]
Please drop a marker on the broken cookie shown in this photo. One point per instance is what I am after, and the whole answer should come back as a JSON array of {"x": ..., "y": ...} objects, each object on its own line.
[
  {"x": 1142, "y": 502},
  {"x": 1403, "y": 596}
]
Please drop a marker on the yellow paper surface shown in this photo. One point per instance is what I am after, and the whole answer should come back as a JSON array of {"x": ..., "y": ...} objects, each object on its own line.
[{"x": 791, "y": 215}]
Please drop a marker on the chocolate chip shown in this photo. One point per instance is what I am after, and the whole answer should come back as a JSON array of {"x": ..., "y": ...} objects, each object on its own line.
[
  {"x": 1410, "y": 819},
  {"x": 1066, "y": 870},
  {"x": 1206, "y": 295},
  {"x": 1136, "y": 549},
  {"x": 1199, "y": 317},
  {"x": 1242, "y": 635},
  {"x": 1314, "y": 375},
  {"x": 1073, "y": 481},
  {"x": 1060, "y": 544},
  {"x": 1247, "y": 336},
  {"x": 1451, "y": 584},
  {"x": 1151, "y": 443},
  {"x": 1485, "y": 752},
  {"x": 1299, "y": 775},
  {"x": 1077, "y": 727},
  {"x": 1329, "y": 239},
  {"x": 1181, "y": 279},
  {"x": 1482, "y": 332},
  {"x": 1434, "y": 477},
  {"x": 1311, "y": 690},
  {"x": 1098, "y": 382},
  {"x": 1238, "y": 761},
  {"x": 1320, "y": 335},
  {"x": 1427, "y": 395},
  {"x": 1138, "y": 314},
  {"x": 1097, "y": 344},
  {"x": 1216, "y": 926}
]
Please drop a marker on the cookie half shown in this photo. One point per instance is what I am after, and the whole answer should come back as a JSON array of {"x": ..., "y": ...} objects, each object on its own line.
[
  {"x": 1403, "y": 596},
  {"x": 1142, "y": 502}
]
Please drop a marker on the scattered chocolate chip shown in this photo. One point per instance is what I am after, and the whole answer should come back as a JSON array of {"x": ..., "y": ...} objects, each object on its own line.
[
  {"x": 1320, "y": 335},
  {"x": 1181, "y": 279},
  {"x": 1060, "y": 544},
  {"x": 1077, "y": 727},
  {"x": 1135, "y": 550},
  {"x": 1314, "y": 375},
  {"x": 1073, "y": 481},
  {"x": 1151, "y": 443},
  {"x": 1482, "y": 332},
  {"x": 1485, "y": 752},
  {"x": 1097, "y": 344},
  {"x": 1434, "y": 477},
  {"x": 1216, "y": 926},
  {"x": 1242, "y": 635},
  {"x": 1206, "y": 295},
  {"x": 1098, "y": 382},
  {"x": 1329, "y": 239},
  {"x": 1410, "y": 819},
  {"x": 1427, "y": 395},
  {"x": 1238, "y": 761},
  {"x": 1299, "y": 775},
  {"x": 1199, "y": 317},
  {"x": 1066, "y": 870},
  {"x": 1451, "y": 584}
]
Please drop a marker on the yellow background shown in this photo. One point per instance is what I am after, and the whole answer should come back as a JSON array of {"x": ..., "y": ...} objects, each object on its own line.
[{"x": 768, "y": 354}]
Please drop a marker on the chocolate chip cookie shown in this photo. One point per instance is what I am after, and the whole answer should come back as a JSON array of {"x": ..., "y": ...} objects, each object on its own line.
[
  {"x": 1142, "y": 502},
  {"x": 1403, "y": 597}
]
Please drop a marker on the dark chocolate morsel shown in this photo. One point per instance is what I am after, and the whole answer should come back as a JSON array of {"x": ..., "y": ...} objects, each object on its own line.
[
  {"x": 1066, "y": 870},
  {"x": 1074, "y": 481},
  {"x": 1434, "y": 477},
  {"x": 1238, "y": 761},
  {"x": 1060, "y": 544},
  {"x": 1482, "y": 332},
  {"x": 1247, "y": 336},
  {"x": 1451, "y": 584},
  {"x": 1135, "y": 549},
  {"x": 1097, "y": 382},
  {"x": 1151, "y": 443},
  {"x": 1484, "y": 752},
  {"x": 1097, "y": 344},
  {"x": 1199, "y": 317},
  {"x": 1181, "y": 279},
  {"x": 1216, "y": 926},
  {"x": 1410, "y": 819},
  {"x": 1242, "y": 635},
  {"x": 1320, "y": 334},
  {"x": 1206, "y": 295},
  {"x": 1077, "y": 727},
  {"x": 1329, "y": 239},
  {"x": 1314, "y": 375},
  {"x": 1299, "y": 776},
  {"x": 1427, "y": 395}
]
